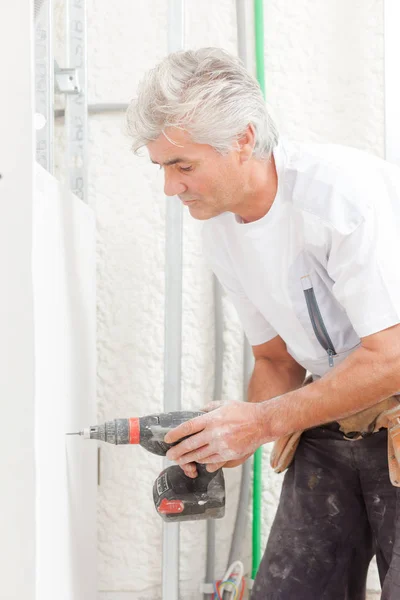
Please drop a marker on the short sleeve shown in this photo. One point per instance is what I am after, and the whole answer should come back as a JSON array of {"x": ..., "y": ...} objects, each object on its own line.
[
  {"x": 256, "y": 327},
  {"x": 364, "y": 264}
]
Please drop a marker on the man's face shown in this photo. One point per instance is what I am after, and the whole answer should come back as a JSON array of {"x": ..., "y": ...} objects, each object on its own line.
[{"x": 206, "y": 182}]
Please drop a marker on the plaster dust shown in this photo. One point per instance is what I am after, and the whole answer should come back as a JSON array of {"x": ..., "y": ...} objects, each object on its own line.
[{"x": 324, "y": 80}]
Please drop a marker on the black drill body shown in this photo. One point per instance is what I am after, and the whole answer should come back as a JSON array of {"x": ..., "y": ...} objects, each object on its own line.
[
  {"x": 176, "y": 496},
  {"x": 153, "y": 429}
]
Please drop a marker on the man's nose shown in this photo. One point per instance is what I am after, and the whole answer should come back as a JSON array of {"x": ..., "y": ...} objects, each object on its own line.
[{"x": 173, "y": 186}]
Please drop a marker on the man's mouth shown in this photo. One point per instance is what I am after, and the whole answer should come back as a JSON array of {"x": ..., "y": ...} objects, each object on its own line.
[{"x": 186, "y": 202}]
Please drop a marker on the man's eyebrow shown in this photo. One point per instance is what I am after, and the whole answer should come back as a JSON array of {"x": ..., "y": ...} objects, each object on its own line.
[{"x": 172, "y": 161}]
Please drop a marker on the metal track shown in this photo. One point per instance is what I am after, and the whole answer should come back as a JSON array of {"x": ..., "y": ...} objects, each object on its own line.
[{"x": 173, "y": 323}]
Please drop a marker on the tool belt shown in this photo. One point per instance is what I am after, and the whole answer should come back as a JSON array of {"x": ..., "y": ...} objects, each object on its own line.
[{"x": 385, "y": 414}]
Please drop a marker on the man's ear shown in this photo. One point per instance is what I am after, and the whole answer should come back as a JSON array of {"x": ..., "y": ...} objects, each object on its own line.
[{"x": 246, "y": 143}]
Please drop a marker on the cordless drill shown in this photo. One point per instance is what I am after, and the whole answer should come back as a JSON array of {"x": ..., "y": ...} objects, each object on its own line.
[{"x": 176, "y": 496}]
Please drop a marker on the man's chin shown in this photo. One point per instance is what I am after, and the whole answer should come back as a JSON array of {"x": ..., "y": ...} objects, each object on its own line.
[{"x": 198, "y": 212}]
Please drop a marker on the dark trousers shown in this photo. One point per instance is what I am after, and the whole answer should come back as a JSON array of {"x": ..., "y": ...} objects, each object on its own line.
[{"x": 337, "y": 509}]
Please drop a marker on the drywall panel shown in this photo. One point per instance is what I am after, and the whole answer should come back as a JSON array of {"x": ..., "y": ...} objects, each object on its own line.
[
  {"x": 17, "y": 468},
  {"x": 65, "y": 368}
]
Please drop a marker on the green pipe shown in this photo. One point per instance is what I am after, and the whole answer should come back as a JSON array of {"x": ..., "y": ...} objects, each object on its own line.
[
  {"x": 259, "y": 39},
  {"x": 257, "y": 464},
  {"x": 257, "y": 496}
]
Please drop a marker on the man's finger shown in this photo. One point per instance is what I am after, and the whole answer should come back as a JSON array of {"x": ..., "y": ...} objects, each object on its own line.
[
  {"x": 200, "y": 455},
  {"x": 187, "y": 428},
  {"x": 212, "y": 459},
  {"x": 214, "y": 467},
  {"x": 235, "y": 463},
  {"x": 188, "y": 447},
  {"x": 190, "y": 470}
]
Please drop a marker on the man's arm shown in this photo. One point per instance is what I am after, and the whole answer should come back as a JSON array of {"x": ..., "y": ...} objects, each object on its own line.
[
  {"x": 275, "y": 371},
  {"x": 368, "y": 375}
]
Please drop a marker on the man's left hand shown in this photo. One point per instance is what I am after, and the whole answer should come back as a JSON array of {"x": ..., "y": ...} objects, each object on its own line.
[{"x": 230, "y": 432}]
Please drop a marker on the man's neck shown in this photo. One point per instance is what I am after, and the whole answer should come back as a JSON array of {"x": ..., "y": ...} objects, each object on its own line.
[{"x": 262, "y": 194}]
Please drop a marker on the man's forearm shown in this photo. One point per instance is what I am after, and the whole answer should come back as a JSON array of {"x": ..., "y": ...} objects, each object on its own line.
[
  {"x": 363, "y": 379},
  {"x": 272, "y": 378}
]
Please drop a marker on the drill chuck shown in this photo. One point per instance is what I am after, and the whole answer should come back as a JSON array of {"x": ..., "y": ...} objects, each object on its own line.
[{"x": 117, "y": 431}]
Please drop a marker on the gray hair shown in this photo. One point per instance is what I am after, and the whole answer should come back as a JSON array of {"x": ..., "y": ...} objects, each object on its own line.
[{"x": 207, "y": 92}]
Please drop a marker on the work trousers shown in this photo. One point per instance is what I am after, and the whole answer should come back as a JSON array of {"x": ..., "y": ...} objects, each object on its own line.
[{"x": 337, "y": 509}]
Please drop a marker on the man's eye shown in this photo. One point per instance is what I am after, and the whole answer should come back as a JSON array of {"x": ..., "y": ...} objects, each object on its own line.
[{"x": 186, "y": 169}]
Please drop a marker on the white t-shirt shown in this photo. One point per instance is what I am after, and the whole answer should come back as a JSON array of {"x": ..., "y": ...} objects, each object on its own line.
[{"x": 322, "y": 267}]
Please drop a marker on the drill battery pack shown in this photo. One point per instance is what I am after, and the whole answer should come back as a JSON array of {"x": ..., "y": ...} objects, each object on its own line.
[{"x": 181, "y": 498}]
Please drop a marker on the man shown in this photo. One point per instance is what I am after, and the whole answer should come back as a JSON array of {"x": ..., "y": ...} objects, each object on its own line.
[{"x": 304, "y": 238}]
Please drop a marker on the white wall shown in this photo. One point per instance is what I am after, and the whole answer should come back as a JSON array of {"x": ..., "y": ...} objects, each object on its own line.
[
  {"x": 17, "y": 468},
  {"x": 324, "y": 76},
  {"x": 47, "y": 352},
  {"x": 64, "y": 287}
]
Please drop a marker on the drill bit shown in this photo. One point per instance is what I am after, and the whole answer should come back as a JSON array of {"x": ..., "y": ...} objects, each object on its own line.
[{"x": 85, "y": 433}]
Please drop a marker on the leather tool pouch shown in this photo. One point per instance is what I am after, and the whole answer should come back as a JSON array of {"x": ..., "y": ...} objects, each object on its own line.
[
  {"x": 363, "y": 423},
  {"x": 283, "y": 451},
  {"x": 285, "y": 447},
  {"x": 391, "y": 420}
]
